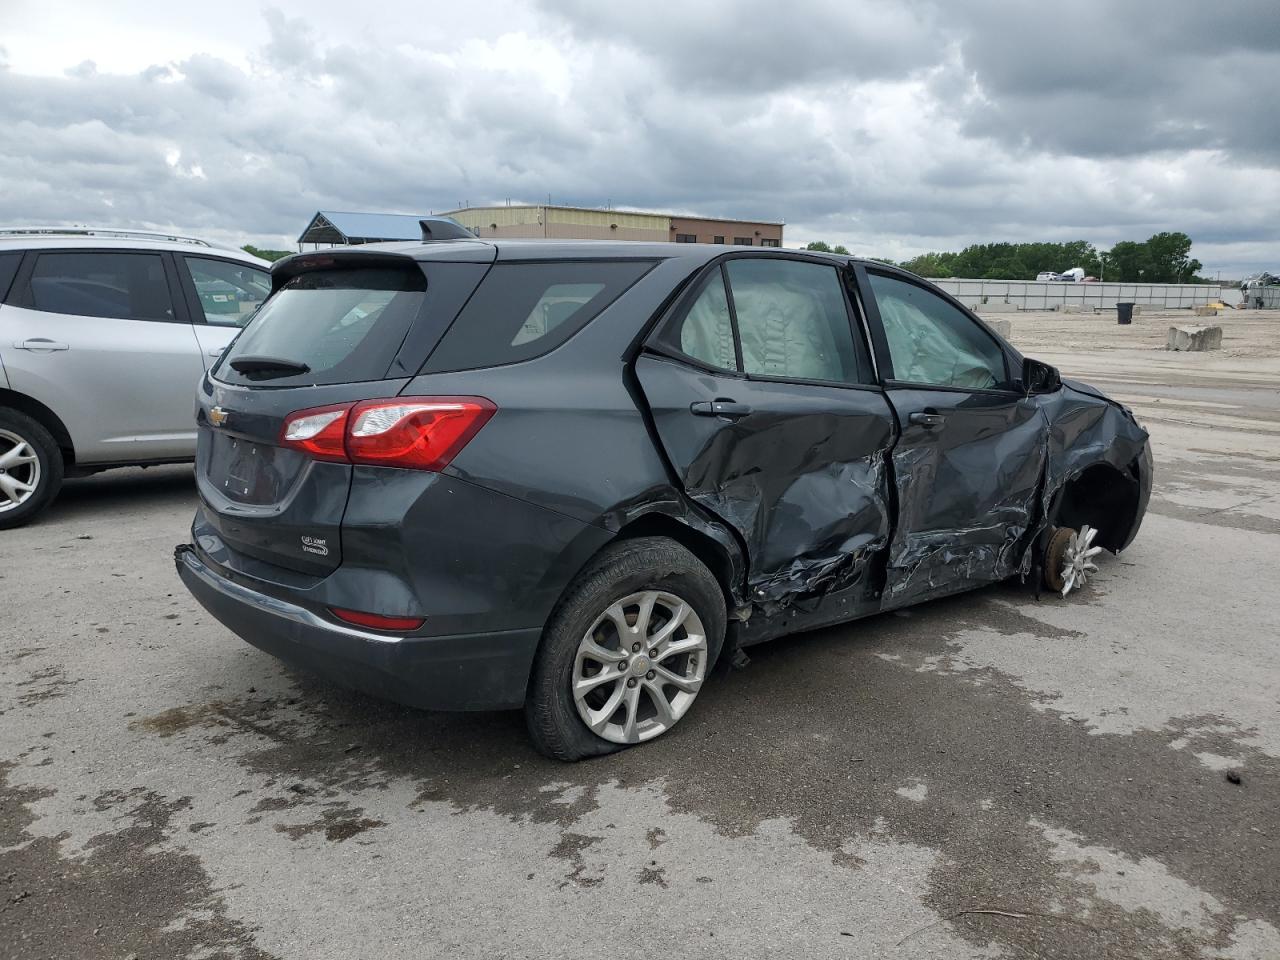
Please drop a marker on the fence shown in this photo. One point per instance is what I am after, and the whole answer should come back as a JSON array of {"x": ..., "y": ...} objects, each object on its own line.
[{"x": 1045, "y": 295}]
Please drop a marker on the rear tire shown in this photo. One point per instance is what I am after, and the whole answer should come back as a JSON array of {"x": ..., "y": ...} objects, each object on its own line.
[
  {"x": 31, "y": 468},
  {"x": 656, "y": 582}
]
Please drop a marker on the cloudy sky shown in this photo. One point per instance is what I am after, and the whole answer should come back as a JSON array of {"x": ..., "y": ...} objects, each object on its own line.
[{"x": 893, "y": 128}]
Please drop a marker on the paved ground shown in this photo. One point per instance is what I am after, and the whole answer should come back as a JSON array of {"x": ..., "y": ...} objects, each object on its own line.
[{"x": 987, "y": 776}]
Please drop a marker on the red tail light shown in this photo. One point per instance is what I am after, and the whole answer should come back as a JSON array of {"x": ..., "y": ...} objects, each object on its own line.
[
  {"x": 419, "y": 433},
  {"x": 376, "y": 620}
]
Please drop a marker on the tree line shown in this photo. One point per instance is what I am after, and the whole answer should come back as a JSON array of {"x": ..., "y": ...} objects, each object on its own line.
[
  {"x": 1163, "y": 258},
  {"x": 272, "y": 255}
]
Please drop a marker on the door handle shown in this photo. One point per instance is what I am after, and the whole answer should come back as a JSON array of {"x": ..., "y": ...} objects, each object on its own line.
[
  {"x": 927, "y": 419},
  {"x": 38, "y": 344},
  {"x": 719, "y": 408}
]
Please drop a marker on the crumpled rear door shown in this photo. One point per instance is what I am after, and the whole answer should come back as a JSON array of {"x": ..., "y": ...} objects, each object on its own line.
[{"x": 798, "y": 470}]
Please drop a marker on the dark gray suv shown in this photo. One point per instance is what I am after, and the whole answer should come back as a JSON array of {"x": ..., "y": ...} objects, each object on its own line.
[{"x": 471, "y": 475}]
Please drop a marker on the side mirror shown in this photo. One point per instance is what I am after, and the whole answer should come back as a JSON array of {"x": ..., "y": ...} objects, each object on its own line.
[{"x": 1038, "y": 377}]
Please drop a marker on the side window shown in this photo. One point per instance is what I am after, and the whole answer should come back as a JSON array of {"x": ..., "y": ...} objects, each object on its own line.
[
  {"x": 523, "y": 310},
  {"x": 229, "y": 293},
  {"x": 932, "y": 342},
  {"x": 558, "y": 303},
  {"x": 793, "y": 321},
  {"x": 706, "y": 332},
  {"x": 117, "y": 286}
]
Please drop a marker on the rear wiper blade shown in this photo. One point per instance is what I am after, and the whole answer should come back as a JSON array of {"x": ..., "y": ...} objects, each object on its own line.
[{"x": 277, "y": 365}]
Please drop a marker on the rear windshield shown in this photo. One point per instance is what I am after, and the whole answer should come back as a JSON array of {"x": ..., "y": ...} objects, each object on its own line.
[
  {"x": 523, "y": 310},
  {"x": 345, "y": 325}
]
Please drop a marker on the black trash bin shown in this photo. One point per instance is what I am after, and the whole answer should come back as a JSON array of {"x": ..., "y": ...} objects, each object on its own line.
[{"x": 1124, "y": 313}]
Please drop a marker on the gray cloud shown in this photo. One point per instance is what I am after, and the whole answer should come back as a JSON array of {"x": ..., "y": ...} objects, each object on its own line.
[
  {"x": 1122, "y": 79},
  {"x": 889, "y": 131}
]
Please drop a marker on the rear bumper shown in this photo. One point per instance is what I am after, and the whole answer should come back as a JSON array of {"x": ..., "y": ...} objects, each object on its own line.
[{"x": 461, "y": 672}]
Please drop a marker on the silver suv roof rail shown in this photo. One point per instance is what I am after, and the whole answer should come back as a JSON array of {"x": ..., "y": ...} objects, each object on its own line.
[{"x": 99, "y": 232}]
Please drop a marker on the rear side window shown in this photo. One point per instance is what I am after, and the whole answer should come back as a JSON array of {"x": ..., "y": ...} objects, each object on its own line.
[
  {"x": 115, "y": 286},
  {"x": 345, "y": 325},
  {"x": 523, "y": 310},
  {"x": 792, "y": 320},
  {"x": 229, "y": 293},
  {"x": 781, "y": 319}
]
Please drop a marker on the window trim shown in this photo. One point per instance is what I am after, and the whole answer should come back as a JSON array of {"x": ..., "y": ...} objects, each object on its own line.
[
  {"x": 192, "y": 296},
  {"x": 20, "y": 294},
  {"x": 658, "y": 339},
  {"x": 884, "y": 360}
]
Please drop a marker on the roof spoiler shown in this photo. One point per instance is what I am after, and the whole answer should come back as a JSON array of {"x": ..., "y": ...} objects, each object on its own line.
[{"x": 444, "y": 228}]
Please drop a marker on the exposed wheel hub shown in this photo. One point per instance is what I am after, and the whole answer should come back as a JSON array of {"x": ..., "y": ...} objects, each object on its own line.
[
  {"x": 1069, "y": 558},
  {"x": 639, "y": 667}
]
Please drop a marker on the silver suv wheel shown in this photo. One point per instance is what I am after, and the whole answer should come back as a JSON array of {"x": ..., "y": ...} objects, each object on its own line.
[
  {"x": 639, "y": 667},
  {"x": 19, "y": 470}
]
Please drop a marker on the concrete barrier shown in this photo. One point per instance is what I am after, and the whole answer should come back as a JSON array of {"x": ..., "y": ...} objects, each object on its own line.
[
  {"x": 1195, "y": 339},
  {"x": 1002, "y": 327},
  {"x": 1045, "y": 295}
]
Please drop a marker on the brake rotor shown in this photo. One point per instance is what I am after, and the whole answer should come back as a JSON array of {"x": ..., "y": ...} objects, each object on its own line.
[{"x": 1069, "y": 557}]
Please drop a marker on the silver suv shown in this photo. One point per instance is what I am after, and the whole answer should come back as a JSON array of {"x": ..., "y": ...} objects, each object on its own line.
[{"x": 103, "y": 337}]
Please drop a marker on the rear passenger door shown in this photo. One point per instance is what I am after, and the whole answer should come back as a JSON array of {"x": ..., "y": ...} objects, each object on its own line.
[
  {"x": 101, "y": 337},
  {"x": 763, "y": 396},
  {"x": 969, "y": 462}
]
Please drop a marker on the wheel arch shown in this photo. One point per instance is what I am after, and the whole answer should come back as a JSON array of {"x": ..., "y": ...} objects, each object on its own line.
[
  {"x": 1106, "y": 498},
  {"x": 715, "y": 556},
  {"x": 37, "y": 411}
]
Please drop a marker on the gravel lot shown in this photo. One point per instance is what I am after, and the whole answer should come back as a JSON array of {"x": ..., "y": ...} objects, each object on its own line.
[{"x": 985, "y": 776}]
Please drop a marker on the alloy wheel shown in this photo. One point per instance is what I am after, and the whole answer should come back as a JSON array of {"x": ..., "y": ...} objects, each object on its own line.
[
  {"x": 19, "y": 470},
  {"x": 639, "y": 667},
  {"x": 1077, "y": 559}
]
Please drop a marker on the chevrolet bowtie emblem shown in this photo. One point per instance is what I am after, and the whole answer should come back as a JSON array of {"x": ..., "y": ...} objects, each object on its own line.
[{"x": 218, "y": 417}]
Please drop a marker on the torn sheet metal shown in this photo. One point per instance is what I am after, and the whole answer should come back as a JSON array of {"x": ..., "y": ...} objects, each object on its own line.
[
  {"x": 1087, "y": 429},
  {"x": 840, "y": 500},
  {"x": 800, "y": 476},
  {"x": 967, "y": 492},
  {"x": 811, "y": 524},
  {"x": 974, "y": 497}
]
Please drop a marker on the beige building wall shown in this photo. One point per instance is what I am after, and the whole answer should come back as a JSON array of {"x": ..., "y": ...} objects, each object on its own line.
[
  {"x": 585, "y": 223},
  {"x": 563, "y": 223}
]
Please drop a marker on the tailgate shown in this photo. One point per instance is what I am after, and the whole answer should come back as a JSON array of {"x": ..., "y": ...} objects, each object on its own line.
[
  {"x": 338, "y": 328},
  {"x": 265, "y": 500}
]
